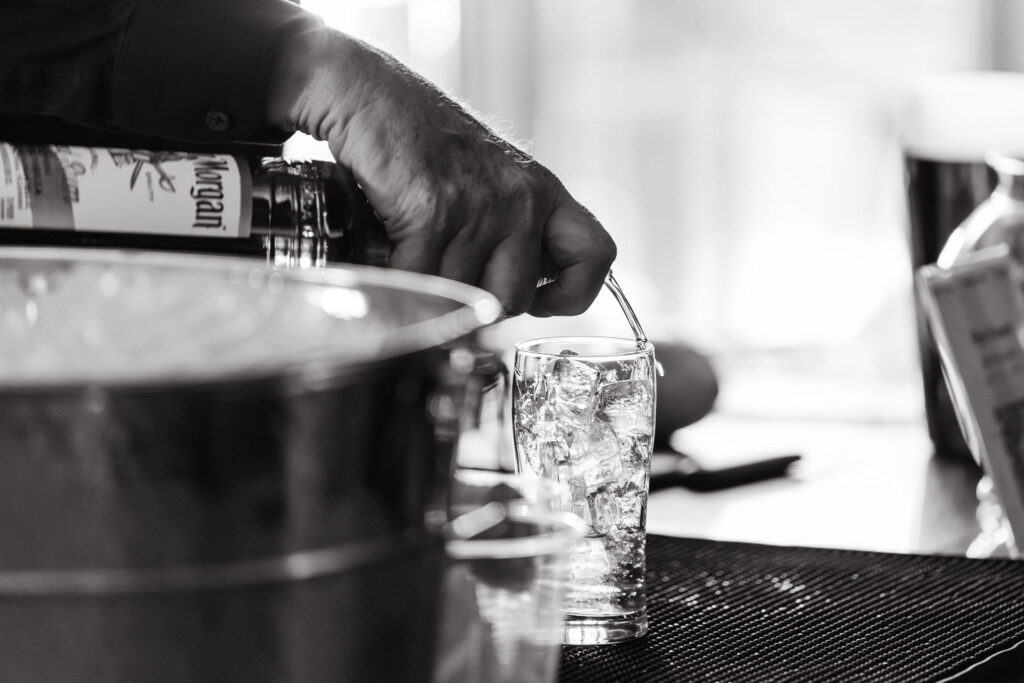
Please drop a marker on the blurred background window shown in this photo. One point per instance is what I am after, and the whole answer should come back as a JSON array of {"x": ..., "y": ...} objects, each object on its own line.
[{"x": 744, "y": 156}]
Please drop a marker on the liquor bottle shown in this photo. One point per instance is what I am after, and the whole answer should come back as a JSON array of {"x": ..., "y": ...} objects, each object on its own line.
[
  {"x": 292, "y": 213},
  {"x": 997, "y": 220}
]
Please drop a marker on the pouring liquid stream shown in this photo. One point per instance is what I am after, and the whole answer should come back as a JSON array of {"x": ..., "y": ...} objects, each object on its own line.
[
  {"x": 549, "y": 273},
  {"x": 613, "y": 286}
]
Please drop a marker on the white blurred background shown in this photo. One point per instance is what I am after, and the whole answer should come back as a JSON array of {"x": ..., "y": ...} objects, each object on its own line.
[{"x": 744, "y": 156}]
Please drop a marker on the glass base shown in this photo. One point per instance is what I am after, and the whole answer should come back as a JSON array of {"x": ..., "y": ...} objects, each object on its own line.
[{"x": 592, "y": 630}]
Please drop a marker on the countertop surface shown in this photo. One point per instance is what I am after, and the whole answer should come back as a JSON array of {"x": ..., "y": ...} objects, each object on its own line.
[{"x": 861, "y": 485}]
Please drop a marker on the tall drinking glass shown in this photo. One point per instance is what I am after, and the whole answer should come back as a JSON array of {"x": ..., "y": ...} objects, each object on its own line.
[{"x": 583, "y": 411}]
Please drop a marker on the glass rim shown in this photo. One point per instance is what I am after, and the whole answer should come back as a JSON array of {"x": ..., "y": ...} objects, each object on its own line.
[
  {"x": 641, "y": 348},
  {"x": 567, "y": 528},
  {"x": 475, "y": 309}
]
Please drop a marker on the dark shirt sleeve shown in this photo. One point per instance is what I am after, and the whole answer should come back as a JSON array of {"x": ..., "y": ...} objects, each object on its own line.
[{"x": 194, "y": 70}]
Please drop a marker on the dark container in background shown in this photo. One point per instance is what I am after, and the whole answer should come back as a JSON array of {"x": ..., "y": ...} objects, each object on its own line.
[{"x": 940, "y": 195}]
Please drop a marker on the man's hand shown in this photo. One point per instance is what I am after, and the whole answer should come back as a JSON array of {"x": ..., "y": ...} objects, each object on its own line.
[{"x": 457, "y": 200}]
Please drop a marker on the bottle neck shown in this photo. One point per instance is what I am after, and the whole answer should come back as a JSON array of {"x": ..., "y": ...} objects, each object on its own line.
[
  {"x": 1010, "y": 170},
  {"x": 289, "y": 213},
  {"x": 1011, "y": 185},
  {"x": 310, "y": 212}
]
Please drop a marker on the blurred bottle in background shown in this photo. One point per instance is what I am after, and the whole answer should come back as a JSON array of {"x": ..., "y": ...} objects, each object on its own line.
[
  {"x": 997, "y": 220},
  {"x": 950, "y": 121}
]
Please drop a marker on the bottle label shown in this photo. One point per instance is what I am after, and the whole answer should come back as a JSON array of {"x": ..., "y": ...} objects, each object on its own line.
[
  {"x": 101, "y": 189},
  {"x": 976, "y": 311}
]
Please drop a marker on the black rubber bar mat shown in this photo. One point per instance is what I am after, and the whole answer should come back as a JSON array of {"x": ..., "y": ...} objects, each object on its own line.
[{"x": 745, "y": 612}]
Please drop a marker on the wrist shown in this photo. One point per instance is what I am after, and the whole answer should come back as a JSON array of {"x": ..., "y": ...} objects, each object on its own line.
[{"x": 321, "y": 78}]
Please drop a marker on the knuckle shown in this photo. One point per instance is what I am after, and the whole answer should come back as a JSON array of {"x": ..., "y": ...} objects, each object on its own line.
[
  {"x": 603, "y": 249},
  {"x": 446, "y": 193},
  {"x": 609, "y": 252},
  {"x": 535, "y": 184},
  {"x": 546, "y": 187}
]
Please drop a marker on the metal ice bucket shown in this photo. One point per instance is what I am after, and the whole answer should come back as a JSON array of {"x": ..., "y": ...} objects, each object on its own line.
[{"x": 178, "y": 502}]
